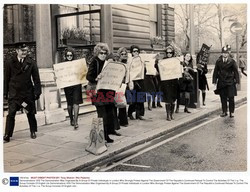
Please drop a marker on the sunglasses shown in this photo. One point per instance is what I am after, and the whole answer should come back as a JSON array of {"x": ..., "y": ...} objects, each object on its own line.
[
  {"x": 169, "y": 53},
  {"x": 135, "y": 51},
  {"x": 69, "y": 55},
  {"x": 103, "y": 53},
  {"x": 124, "y": 54}
]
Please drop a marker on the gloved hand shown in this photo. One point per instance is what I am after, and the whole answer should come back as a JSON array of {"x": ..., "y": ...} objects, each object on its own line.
[
  {"x": 37, "y": 97},
  {"x": 99, "y": 77}
]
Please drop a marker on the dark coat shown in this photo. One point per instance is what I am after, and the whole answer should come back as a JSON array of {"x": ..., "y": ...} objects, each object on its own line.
[
  {"x": 202, "y": 71},
  {"x": 149, "y": 84},
  {"x": 103, "y": 97},
  {"x": 94, "y": 70},
  {"x": 169, "y": 88},
  {"x": 226, "y": 75},
  {"x": 187, "y": 85},
  {"x": 19, "y": 77}
]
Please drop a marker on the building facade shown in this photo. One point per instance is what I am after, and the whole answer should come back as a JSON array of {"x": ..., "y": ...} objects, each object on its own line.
[{"x": 49, "y": 28}]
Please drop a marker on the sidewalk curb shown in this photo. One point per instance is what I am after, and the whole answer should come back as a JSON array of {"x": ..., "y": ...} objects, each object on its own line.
[{"x": 112, "y": 155}]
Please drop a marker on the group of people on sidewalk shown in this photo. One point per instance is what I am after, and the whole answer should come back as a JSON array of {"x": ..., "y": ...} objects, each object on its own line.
[{"x": 23, "y": 87}]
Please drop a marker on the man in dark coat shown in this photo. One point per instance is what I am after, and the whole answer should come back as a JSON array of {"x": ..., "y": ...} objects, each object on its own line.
[
  {"x": 22, "y": 88},
  {"x": 226, "y": 76}
]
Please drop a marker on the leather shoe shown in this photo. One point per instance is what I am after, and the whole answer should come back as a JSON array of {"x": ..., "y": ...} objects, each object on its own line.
[
  {"x": 125, "y": 125},
  {"x": 72, "y": 123},
  {"x": 33, "y": 135},
  {"x": 116, "y": 133},
  {"x": 223, "y": 115},
  {"x": 131, "y": 117},
  {"x": 109, "y": 140},
  {"x": 231, "y": 115},
  {"x": 186, "y": 110},
  {"x": 159, "y": 104},
  {"x": 140, "y": 118},
  {"x": 76, "y": 126},
  {"x": 6, "y": 138}
]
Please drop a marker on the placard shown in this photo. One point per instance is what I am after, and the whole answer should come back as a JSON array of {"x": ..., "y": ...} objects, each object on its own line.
[
  {"x": 170, "y": 69},
  {"x": 70, "y": 73},
  {"x": 203, "y": 55},
  {"x": 112, "y": 76},
  {"x": 149, "y": 60},
  {"x": 136, "y": 69}
]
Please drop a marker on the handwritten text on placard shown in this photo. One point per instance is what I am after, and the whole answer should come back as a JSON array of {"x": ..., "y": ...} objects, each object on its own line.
[
  {"x": 112, "y": 76},
  {"x": 170, "y": 69},
  {"x": 70, "y": 73}
]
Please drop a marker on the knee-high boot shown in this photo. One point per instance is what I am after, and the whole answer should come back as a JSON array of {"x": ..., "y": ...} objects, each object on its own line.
[
  {"x": 203, "y": 98},
  {"x": 172, "y": 111},
  {"x": 168, "y": 111}
]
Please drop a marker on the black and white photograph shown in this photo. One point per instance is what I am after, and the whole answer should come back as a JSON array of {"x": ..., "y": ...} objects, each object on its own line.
[{"x": 122, "y": 94}]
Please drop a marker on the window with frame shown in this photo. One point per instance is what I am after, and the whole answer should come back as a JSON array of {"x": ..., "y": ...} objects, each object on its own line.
[
  {"x": 153, "y": 20},
  {"x": 19, "y": 23}
]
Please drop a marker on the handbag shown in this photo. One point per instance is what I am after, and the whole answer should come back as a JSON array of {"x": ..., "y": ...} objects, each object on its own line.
[{"x": 120, "y": 99}]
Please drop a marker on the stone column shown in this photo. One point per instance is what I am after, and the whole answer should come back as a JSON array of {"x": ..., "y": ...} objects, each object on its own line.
[
  {"x": 107, "y": 25},
  {"x": 50, "y": 98}
]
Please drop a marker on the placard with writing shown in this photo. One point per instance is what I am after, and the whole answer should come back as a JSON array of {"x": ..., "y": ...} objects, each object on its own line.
[
  {"x": 136, "y": 69},
  {"x": 203, "y": 55},
  {"x": 112, "y": 76},
  {"x": 170, "y": 69},
  {"x": 70, "y": 73},
  {"x": 149, "y": 60}
]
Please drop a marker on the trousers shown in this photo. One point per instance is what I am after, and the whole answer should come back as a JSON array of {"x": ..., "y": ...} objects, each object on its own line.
[
  {"x": 224, "y": 99},
  {"x": 10, "y": 120}
]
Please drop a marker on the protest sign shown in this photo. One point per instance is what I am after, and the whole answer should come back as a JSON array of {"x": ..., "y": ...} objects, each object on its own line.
[
  {"x": 170, "y": 69},
  {"x": 149, "y": 60},
  {"x": 112, "y": 76},
  {"x": 136, "y": 69},
  {"x": 70, "y": 73},
  {"x": 96, "y": 143},
  {"x": 203, "y": 55}
]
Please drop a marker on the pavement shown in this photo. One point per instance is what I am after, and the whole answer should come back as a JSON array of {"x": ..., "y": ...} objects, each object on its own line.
[{"x": 60, "y": 148}]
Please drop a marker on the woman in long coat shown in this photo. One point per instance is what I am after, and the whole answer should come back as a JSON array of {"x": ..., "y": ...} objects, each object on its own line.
[
  {"x": 104, "y": 109},
  {"x": 138, "y": 104},
  {"x": 73, "y": 94},
  {"x": 203, "y": 85},
  {"x": 186, "y": 82},
  {"x": 169, "y": 88}
]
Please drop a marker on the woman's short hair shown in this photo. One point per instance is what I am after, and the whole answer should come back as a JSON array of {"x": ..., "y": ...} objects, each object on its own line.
[
  {"x": 99, "y": 47},
  {"x": 134, "y": 47},
  {"x": 71, "y": 50},
  {"x": 122, "y": 49}
]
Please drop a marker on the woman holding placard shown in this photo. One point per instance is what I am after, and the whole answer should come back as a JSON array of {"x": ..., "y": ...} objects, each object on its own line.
[
  {"x": 105, "y": 110},
  {"x": 136, "y": 71},
  {"x": 122, "y": 116},
  {"x": 73, "y": 93},
  {"x": 169, "y": 87}
]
